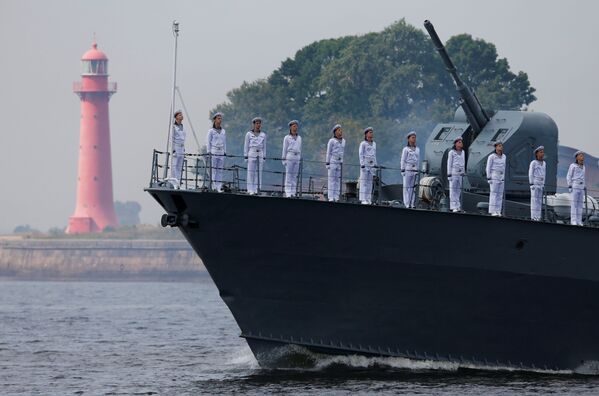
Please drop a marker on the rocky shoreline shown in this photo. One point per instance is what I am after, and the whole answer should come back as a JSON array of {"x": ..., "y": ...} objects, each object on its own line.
[{"x": 100, "y": 259}]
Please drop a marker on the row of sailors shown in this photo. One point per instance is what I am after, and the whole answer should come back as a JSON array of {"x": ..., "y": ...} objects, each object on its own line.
[
  {"x": 495, "y": 170},
  {"x": 254, "y": 152},
  {"x": 536, "y": 177}
]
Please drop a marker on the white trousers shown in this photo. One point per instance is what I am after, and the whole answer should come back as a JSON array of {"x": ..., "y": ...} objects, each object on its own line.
[
  {"x": 217, "y": 162},
  {"x": 334, "y": 182},
  {"x": 409, "y": 192},
  {"x": 536, "y": 201},
  {"x": 177, "y": 162},
  {"x": 576, "y": 206},
  {"x": 455, "y": 192},
  {"x": 254, "y": 174},
  {"x": 366, "y": 178},
  {"x": 291, "y": 172},
  {"x": 496, "y": 196}
]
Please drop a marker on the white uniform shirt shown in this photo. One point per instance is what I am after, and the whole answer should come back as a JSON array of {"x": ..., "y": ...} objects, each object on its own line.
[
  {"x": 178, "y": 134},
  {"x": 335, "y": 150},
  {"x": 456, "y": 162},
  {"x": 496, "y": 167},
  {"x": 255, "y": 145},
  {"x": 367, "y": 154},
  {"x": 410, "y": 157},
  {"x": 575, "y": 176},
  {"x": 216, "y": 141},
  {"x": 536, "y": 172},
  {"x": 292, "y": 147}
]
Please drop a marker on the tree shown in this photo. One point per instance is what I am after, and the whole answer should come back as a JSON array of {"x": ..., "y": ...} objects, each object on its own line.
[
  {"x": 127, "y": 212},
  {"x": 392, "y": 80},
  {"x": 56, "y": 231},
  {"x": 496, "y": 86},
  {"x": 25, "y": 229}
]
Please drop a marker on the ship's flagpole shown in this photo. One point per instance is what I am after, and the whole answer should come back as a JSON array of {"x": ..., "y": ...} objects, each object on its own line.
[{"x": 170, "y": 117}]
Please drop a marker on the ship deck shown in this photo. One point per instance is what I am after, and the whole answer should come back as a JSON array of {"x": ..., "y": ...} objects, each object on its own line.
[{"x": 387, "y": 191}]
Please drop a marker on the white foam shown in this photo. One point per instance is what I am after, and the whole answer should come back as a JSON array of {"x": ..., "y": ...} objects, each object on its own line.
[
  {"x": 243, "y": 358},
  {"x": 590, "y": 367},
  {"x": 323, "y": 361},
  {"x": 358, "y": 361}
]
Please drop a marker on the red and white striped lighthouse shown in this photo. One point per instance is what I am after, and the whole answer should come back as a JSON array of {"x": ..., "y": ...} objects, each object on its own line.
[{"x": 95, "y": 207}]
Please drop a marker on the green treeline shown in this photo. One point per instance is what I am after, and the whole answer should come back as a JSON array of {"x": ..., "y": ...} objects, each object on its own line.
[{"x": 392, "y": 80}]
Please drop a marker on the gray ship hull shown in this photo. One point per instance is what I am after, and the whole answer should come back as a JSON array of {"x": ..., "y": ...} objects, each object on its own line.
[{"x": 342, "y": 278}]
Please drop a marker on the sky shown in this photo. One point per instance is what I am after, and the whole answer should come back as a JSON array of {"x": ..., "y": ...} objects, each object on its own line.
[{"x": 222, "y": 44}]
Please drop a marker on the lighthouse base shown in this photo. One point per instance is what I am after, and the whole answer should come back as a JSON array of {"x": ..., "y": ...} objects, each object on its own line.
[{"x": 81, "y": 225}]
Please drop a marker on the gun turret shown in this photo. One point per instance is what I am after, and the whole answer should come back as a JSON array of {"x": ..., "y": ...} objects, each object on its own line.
[
  {"x": 472, "y": 108},
  {"x": 520, "y": 132}
]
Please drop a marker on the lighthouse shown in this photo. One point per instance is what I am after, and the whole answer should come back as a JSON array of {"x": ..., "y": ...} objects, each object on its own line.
[{"x": 94, "y": 210}]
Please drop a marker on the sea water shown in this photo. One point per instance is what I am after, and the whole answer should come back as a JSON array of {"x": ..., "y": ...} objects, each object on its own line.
[{"x": 123, "y": 338}]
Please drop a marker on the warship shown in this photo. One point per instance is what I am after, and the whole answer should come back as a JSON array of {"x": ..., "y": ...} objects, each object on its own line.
[{"x": 342, "y": 278}]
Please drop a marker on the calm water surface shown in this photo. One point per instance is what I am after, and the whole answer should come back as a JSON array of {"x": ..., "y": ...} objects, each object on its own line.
[{"x": 87, "y": 338}]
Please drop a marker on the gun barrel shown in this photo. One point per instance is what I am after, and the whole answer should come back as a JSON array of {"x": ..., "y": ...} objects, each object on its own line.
[
  {"x": 443, "y": 53},
  {"x": 474, "y": 111}
]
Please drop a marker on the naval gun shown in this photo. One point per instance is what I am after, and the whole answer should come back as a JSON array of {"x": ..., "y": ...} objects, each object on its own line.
[{"x": 520, "y": 132}]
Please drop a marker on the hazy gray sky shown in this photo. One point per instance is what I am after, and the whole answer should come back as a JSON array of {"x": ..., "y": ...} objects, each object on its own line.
[{"x": 222, "y": 44}]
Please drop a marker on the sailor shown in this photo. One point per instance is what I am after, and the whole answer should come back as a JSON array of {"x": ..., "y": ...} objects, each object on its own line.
[
  {"x": 217, "y": 150},
  {"x": 536, "y": 178},
  {"x": 367, "y": 154},
  {"x": 254, "y": 151},
  {"x": 410, "y": 159},
  {"x": 178, "y": 143},
  {"x": 334, "y": 162},
  {"x": 291, "y": 155},
  {"x": 496, "y": 179},
  {"x": 456, "y": 163},
  {"x": 576, "y": 187}
]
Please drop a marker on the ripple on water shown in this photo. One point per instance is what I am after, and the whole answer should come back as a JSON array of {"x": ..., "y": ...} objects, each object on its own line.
[{"x": 179, "y": 338}]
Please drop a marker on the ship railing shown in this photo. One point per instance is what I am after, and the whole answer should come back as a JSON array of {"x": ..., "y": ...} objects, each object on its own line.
[
  {"x": 312, "y": 181},
  {"x": 590, "y": 212},
  {"x": 312, "y": 178}
]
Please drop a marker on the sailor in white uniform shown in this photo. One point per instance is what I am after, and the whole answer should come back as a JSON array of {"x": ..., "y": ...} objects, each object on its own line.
[
  {"x": 536, "y": 178},
  {"x": 367, "y": 154},
  {"x": 496, "y": 178},
  {"x": 254, "y": 151},
  {"x": 410, "y": 160},
  {"x": 291, "y": 155},
  {"x": 334, "y": 162},
  {"x": 216, "y": 145},
  {"x": 178, "y": 143},
  {"x": 456, "y": 165},
  {"x": 577, "y": 188}
]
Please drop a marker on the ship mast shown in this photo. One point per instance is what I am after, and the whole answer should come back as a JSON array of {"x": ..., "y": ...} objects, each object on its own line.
[{"x": 175, "y": 28}]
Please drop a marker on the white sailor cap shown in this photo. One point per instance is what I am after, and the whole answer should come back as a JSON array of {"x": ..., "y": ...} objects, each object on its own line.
[
  {"x": 578, "y": 152},
  {"x": 256, "y": 119},
  {"x": 410, "y": 134},
  {"x": 335, "y": 127},
  {"x": 296, "y": 122},
  {"x": 457, "y": 139},
  {"x": 497, "y": 143},
  {"x": 177, "y": 112},
  {"x": 538, "y": 149},
  {"x": 368, "y": 129},
  {"x": 218, "y": 113}
]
